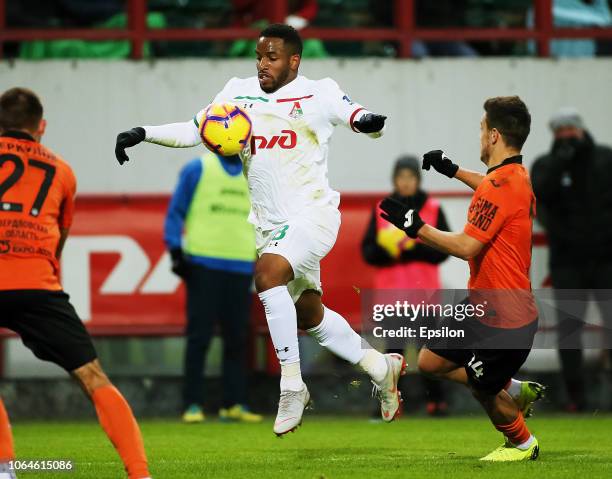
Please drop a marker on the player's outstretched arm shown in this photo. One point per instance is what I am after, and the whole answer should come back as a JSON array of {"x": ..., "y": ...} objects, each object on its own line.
[
  {"x": 406, "y": 217},
  {"x": 444, "y": 165},
  {"x": 173, "y": 135},
  {"x": 460, "y": 245}
]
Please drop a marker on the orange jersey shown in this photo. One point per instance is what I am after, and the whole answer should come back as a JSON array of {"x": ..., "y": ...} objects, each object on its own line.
[
  {"x": 37, "y": 191},
  {"x": 500, "y": 216}
]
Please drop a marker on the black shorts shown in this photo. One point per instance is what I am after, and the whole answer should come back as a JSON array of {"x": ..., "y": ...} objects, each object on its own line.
[
  {"x": 489, "y": 368},
  {"x": 48, "y": 325}
]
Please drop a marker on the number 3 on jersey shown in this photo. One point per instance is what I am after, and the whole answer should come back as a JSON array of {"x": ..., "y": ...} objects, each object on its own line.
[
  {"x": 280, "y": 233},
  {"x": 15, "y": 176}
]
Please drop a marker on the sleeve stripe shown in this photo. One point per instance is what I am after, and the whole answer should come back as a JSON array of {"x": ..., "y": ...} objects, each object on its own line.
[{"x": 353, "y": 118}]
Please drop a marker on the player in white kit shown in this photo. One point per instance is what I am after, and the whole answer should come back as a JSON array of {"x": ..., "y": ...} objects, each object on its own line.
[{"x": 293, "y": 209}]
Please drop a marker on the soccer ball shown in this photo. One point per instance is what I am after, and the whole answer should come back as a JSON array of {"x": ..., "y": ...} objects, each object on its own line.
[{"x": 225, "y": 129}]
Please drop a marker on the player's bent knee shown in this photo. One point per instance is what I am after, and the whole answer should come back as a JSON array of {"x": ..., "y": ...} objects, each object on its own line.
[
  {"x": 272, "y": 270},
  {"x": 265, "y": 281},
  {"x": 91, "y": 377},
  {"x": 309, "y": 309}
]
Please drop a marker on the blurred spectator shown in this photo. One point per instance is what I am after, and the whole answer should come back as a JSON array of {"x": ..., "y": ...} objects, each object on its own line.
[
  {"x": 430, "y": 14},
  {"x": 110, "y": 49},
  {"x": 255, "y": 14},
  {"x": 572, "y": 187},
  {"x": 576, "y": 13},
  {"x": 301, "y": 12},
  {"x": 441, "y": 14},
  {"x": 211, "y": 202},
  {"x": 405, "y": 263}
]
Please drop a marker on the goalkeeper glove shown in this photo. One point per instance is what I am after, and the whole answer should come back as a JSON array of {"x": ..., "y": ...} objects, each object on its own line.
[
  {"x": 441, "y": 163},
  {"x": 127, "y": 139},
  {"x": 370, "y": 123},
  {"x": 180, "y": 265},
  {"x": 403, "y": 215}
]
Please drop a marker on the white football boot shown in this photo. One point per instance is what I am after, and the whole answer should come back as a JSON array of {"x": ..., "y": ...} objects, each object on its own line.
[
  {"x": 386, "y": 390},
  {"x": 290, "y": 410}
]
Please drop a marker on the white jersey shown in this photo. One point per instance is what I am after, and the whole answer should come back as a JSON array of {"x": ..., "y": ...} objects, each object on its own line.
[
  {"x": 287, "y": 168},
  {"x": 287, "y": 165}
]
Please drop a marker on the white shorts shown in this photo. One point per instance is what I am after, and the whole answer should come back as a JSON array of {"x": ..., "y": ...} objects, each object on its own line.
[{"x": 303, "y": 241}]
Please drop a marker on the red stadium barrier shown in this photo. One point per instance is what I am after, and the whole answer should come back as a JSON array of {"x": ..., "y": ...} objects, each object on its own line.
[
  {"x": 117, "y": 271},
  {"x": 404, "y": 31}
]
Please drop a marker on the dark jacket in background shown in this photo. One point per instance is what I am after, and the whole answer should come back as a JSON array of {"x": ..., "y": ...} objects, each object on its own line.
[
  {"x": 574, "y": 204},
  {"x": 376, "y": 255}
]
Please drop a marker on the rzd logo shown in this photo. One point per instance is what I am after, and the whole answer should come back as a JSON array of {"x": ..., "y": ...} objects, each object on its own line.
[
  {"x": 286, "y": 141},
  {"x": 133, "y": 274}
]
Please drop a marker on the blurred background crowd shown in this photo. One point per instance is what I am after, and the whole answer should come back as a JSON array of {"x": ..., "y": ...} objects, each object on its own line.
[{"x": 204, "y": 14}]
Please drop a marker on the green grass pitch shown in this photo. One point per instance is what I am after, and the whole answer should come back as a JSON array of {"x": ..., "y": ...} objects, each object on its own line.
[{"x": 571, "y": 447}]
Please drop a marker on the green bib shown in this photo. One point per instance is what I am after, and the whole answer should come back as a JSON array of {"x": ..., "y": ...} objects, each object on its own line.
[{"x": 216, "y": 225}]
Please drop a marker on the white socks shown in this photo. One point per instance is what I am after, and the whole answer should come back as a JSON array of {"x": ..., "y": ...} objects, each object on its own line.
[
  {"x": 333, "y": 332},
  {"x": 527, "y": 444},
  {"x": 336, "y": 334},
  {"x": 291, "y": 377},
  {"x": 375, "y": 364},
  {"x": 514, "y": 389},
  {"x": 282, "y": 323}
]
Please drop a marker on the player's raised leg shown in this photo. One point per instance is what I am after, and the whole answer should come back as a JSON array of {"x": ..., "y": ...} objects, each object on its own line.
[
  {"x": 272, "y": 273},
  {"x": 7, "y": 451},
  {"x": 116, "y": 418},
  {"x": 332, "y": 331},
  {"x": 524, "y": 393}
]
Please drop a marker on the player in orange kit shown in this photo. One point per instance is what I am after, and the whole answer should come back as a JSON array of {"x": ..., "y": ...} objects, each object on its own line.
[
  {"x": 496, "y": 242},
  {"x": 36, "y": 206}
]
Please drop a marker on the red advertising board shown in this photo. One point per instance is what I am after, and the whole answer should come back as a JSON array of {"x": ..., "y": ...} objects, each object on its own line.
[{"x": 117, "y": 271}]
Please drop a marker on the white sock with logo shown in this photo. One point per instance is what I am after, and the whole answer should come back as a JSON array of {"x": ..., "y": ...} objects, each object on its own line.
[
  {"x": 282, "y": 323},
  {"x": 335, "y": 333}
]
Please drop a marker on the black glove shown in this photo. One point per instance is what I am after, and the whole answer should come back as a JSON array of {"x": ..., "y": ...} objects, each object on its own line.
[
  {"x": 370, "y": 123},
  {"x": 441, "y": 163},
  {"x": 125, "y": 140},
  {"x": 180, "y": 265},
  {"x": 405, "y": 216}
]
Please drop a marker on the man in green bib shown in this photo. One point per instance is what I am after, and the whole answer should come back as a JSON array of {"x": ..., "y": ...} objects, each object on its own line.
[{"x": 215, "y": 259}]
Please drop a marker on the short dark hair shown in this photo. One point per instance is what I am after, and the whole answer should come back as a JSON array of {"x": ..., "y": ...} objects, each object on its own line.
[
  {"x": 20, "y": 109},
  {"x": 287, "y": 33},
  {"x": 509, "y": 115}
]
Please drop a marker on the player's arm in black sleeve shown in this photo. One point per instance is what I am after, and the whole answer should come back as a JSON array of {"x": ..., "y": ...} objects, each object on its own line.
[
  {"x": 372, "y": 252},
  {"x": 427, "y": 254}
]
